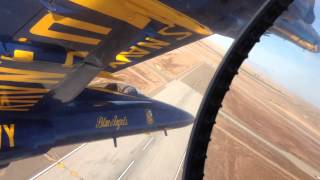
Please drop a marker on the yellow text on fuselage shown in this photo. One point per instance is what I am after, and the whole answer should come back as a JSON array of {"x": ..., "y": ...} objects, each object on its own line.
[
  {"x": 103, "y": 122},
  {"x": 7, "y": 131}
]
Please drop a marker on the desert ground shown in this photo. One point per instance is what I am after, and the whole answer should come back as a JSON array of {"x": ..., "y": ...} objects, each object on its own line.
[{"x": 262, "y": 132}]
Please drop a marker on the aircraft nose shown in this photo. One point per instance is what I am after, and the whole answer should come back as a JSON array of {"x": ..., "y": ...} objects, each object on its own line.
[
  {"x": 173, "y": 117},
  {"x": 186, "y": 117},
  {"x": 182, "y": 118}
]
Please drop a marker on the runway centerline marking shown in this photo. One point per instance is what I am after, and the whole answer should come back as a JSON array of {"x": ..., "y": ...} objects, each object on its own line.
[
  {"x": 125, "y": 171},
  {"x": 57, "y": 162},
  {"x": 147, "y": 144}
]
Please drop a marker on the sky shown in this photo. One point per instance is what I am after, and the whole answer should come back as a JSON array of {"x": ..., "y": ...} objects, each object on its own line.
[{"x": 288, "y": 65}]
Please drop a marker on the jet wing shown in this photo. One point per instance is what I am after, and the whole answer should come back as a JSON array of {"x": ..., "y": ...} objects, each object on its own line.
[
  {"x": 86, "y": 37},
  {"x": 51, "y": 54}
]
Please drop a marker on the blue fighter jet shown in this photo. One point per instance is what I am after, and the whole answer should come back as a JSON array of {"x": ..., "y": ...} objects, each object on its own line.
[{"x": 50, "y": 50}]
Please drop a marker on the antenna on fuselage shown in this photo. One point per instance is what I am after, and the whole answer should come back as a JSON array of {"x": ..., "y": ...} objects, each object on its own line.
[
  {"x": 165, "y": 132},
  {"x": 115, "y": 142}
]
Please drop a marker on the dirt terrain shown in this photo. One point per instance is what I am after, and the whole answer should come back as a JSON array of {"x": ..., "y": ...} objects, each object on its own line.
[{"x": 276, "y": 134}]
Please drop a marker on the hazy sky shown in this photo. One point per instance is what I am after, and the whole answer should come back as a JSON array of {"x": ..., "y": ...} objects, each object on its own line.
[{"x": 290, "y": 66}]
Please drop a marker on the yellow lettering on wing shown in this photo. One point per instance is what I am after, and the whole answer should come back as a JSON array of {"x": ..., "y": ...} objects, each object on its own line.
[
  {"x": 20, "y": 75},
  {"x": 42, "y": 28},
  {"x": 180, "y": 35},
  {"x": 115, "y": 64},
  {"x": 10, "y": 133},
  {"x": 122, "y": 57},
  {"x": 153, "y": 43},
  {"x": 137, "y": 52},
  {"x": 71, "y": 55},
  {"x": 133, "y": 52}
]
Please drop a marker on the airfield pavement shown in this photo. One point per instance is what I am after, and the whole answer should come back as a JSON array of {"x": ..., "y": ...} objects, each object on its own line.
[{"x": 262, "y": 131}]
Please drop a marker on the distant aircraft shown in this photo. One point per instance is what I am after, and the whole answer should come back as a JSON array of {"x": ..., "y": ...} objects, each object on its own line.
[
  {"x": 50, "y": 50},
  {"x": 296, "y": 26}
]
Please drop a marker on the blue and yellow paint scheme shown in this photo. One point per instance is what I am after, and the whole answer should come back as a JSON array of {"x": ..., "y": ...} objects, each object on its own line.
[
  {"x": 98, "y": 113},
  {"x": 51, "y": 49}
]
